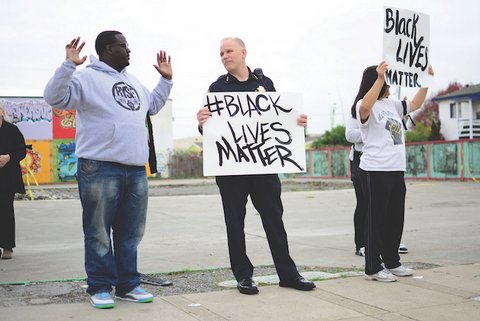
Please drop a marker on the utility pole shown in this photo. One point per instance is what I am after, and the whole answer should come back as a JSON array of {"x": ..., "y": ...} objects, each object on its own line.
[{"x": 332, "y": 116}]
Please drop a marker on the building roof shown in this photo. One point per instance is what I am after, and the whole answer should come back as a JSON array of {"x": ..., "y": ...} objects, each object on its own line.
[{"x": 469, "y": 91}]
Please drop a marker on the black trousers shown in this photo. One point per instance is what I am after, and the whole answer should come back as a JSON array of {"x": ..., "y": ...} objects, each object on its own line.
[
  {"x": 360, "y": 214},
  {"x": 7, "y": 221},
  {"x": 385, "y": 195},
  {"x": 264, "y": 191}
]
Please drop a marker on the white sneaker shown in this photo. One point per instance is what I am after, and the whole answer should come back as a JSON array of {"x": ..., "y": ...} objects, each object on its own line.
[
  {"x": 102, "y": 300},
  {"x": 382, "y": 276},
  {"x": 360, "y": 252},
  {"x": 402, "y": 271},
  {"x": 402, "y": 249}
]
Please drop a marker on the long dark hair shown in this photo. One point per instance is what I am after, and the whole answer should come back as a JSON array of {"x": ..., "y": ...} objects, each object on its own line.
[{"x": 368, "y": 79}]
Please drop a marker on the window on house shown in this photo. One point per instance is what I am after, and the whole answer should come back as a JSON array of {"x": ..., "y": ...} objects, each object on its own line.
[
  {"x": 476, "y": 111},
  {"x": 453, "y": 110}
]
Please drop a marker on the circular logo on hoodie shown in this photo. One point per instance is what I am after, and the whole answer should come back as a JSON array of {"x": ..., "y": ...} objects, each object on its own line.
[{"x": 126, "y": 96}]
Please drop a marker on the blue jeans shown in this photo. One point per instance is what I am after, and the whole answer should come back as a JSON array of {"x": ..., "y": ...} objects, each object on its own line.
[{"x": 114, "y": 199}]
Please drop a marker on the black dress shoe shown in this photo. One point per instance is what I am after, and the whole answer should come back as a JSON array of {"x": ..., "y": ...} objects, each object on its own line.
[
  {"x": 148, "y": 279},
  {"x": 247, "y": 286},
  {"x": 299, "y": 284}
]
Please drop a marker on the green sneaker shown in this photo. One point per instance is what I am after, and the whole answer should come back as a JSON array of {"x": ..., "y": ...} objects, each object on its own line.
[
  {"x": 138, "y": 295},
  {"x": 102, "y": 300}
]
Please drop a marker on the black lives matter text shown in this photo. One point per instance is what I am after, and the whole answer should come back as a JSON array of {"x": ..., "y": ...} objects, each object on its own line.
[
  {"x": 255, "y": 142},
  {"x": 412, "y": 50}
]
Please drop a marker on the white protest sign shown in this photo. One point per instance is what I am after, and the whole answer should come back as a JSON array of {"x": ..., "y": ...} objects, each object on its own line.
[
  {"x": 253, "y": 133},
  {"x": 406, "y": 42}
]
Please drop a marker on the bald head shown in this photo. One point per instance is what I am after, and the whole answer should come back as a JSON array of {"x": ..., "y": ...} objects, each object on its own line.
[
  {"x": 233, "y": 54},
  {"x": 234, "y": 39}
]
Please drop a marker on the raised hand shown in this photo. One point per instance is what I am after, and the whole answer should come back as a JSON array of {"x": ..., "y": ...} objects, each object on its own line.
[
  {"x": 73, "y": 51},
  {"x": 382, "y": 69},
  {"x": 164, "y": 66}
]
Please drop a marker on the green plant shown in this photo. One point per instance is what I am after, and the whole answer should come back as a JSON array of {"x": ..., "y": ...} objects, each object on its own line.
[
  {"x": 335, "y": 136},
  {"x": 421, "y": 133}
]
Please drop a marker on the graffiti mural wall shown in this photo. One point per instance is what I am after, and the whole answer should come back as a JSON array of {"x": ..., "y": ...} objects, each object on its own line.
[
  {"x": 63, "y": 123},
  {"x": 36, "y": 166},
  {"x": 64, "y": 161},
  {"x": 32, "y": 116},
  {"x": 50, "y": 134}
]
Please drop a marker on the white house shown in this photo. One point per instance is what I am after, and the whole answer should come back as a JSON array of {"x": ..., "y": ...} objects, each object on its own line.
[{"x": 459, "y": 113}]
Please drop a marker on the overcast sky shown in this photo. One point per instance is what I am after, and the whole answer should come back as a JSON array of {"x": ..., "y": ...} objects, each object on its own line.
[{"x": 305, "y": 46}]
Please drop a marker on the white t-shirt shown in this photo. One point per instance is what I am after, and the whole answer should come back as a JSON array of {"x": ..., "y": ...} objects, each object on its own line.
[
  {"x": 353, "y": 135},
  {"x": 382, "y": 136}
]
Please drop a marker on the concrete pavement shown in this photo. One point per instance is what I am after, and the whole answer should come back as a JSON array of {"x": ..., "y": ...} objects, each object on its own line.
[
  {"x": 446, "y": 293},
  {"x": 442, "y": 231}
]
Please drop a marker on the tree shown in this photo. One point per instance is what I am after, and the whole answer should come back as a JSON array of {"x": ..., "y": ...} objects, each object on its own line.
[
  {"x": 421, "y": 133},
  {"x": 428, "y": 115},
  {"x": 335, "y": 136},
  {"x": 429, "y": 112},
  {"x": 435, "y": 133}
]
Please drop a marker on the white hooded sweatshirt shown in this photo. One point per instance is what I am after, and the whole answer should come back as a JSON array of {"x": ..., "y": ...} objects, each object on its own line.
[{"x": 111, "y": 109}]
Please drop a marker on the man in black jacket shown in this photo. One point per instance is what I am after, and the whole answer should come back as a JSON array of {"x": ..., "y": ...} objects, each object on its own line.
[{"x": 264, "y": 189}]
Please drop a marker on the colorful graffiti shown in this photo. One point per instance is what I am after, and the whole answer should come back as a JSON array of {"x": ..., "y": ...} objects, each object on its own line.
[
  {"x": 38, "y": 160},
  {"x": 64, "y": 160},
  {"x": 42, "y": 125},
  {"x": 51, "y": 132},
  {"x": 30, "y": 165},
  {"x": 64, "y": 123},
  {"x": 33, "y": 116}
]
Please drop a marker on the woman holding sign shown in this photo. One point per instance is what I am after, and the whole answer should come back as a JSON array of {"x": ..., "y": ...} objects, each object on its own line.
[
  {"x": 382, "y": 168},
  {"x": 354, "y": 136}
]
